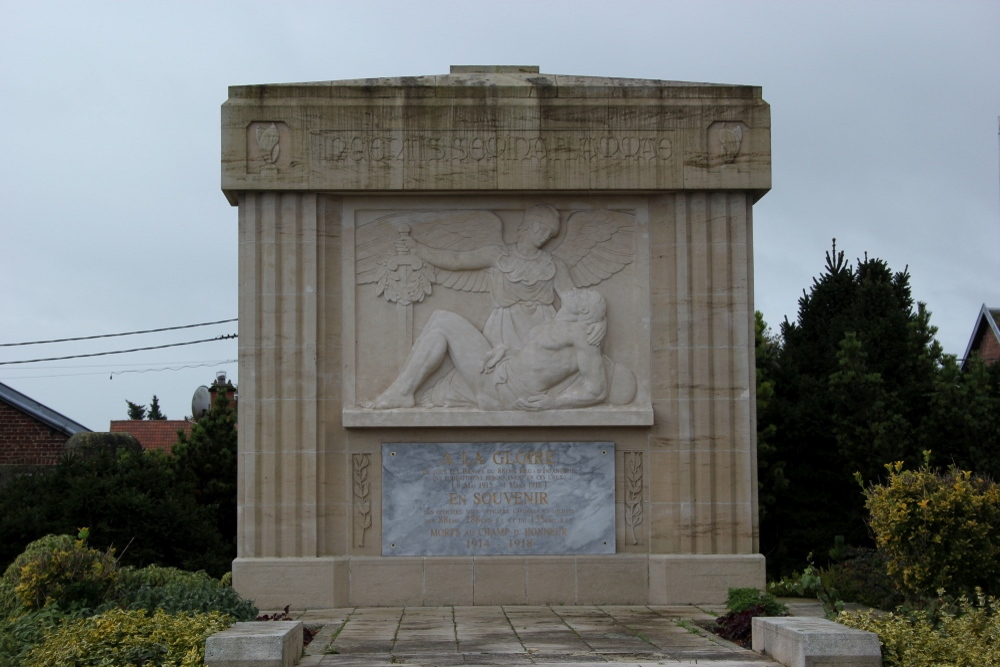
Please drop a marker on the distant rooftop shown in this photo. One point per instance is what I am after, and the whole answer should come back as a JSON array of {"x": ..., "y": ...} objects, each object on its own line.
[
  {"x": 158, "y": 434},
  {"x": 985, "y": 338},
  {"x": 42, "y": 413}
]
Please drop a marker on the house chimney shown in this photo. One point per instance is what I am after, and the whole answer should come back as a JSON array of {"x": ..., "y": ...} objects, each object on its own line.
[{"x": 222, "y": 384}]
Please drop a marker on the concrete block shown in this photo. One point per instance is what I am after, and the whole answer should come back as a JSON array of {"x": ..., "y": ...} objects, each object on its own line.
[
  {"x": 815, "y": 642},
  {"x": 256, "y": 644}
]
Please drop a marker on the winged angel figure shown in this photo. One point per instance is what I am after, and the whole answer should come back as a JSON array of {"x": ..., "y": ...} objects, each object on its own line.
[{"x": 405, "y": 254}]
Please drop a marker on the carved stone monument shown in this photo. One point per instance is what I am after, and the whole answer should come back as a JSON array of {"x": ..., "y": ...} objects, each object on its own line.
[{"x": 496, "y": 338}]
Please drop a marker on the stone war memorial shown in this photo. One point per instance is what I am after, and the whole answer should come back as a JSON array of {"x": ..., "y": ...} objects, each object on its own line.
[{"x": 496, "y": 339}]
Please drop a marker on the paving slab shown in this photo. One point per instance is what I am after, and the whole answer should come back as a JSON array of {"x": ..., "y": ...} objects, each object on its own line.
[{"x": 517, "y": 636}]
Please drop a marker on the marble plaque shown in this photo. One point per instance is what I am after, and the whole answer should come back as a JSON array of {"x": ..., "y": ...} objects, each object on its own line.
[{"x": 499, "y": 498}]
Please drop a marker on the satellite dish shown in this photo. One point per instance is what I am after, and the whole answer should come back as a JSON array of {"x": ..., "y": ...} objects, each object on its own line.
[{"x": 201, "y": 403}]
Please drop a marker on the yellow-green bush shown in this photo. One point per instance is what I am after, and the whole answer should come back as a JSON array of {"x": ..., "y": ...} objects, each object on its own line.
[
  {"x": 968, "y": 638},
  {"x": 937, "y": 530},
  {"x": 60, "y": 570},
  {"x": 120, "y": 637}
]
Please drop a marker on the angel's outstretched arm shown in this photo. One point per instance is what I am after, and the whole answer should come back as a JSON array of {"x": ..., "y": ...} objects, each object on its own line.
[{"x": 563, "y": 280}]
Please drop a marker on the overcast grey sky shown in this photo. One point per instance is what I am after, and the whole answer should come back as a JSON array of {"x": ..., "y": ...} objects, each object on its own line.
[{"x": 884, "y": 130}]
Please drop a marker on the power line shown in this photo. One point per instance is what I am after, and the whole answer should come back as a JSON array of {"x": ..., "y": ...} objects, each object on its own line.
[
  {"x": 173, "y": 368},
  {"x": 102, "y": 354},
  {"x": 166, "y": 367},
  {"x": 127, "y": 333},
  {"x": 131, "y": 363}
]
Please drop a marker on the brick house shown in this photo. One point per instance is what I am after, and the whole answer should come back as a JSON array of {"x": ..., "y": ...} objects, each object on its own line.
[
  {"x": 31, "y": 434},
  {"x": 985, "y": 339}
]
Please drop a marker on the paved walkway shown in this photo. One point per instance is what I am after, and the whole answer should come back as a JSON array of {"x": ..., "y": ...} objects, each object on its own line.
[{"x": 511, "y": 636}]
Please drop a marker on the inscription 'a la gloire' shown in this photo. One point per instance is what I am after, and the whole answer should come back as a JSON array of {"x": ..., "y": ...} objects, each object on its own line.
[{"x": 503, "y": 457}]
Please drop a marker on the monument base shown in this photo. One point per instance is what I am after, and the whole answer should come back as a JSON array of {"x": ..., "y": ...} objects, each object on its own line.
[{"x": 365, "y": 581}]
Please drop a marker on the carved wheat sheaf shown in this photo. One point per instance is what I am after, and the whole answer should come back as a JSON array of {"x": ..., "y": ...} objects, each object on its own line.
[
  {"x": 362, "y": 497},
  {"x": 633, "y": 492}
]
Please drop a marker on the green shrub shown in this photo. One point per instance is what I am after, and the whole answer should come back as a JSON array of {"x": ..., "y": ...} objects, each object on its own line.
[
  {"x": 740, "y": 599},
  {"x": 73, "y": 578},
  {"x": 788, "y": 587},
  {"x": 12, "y": 575},
  {"x": 61, "y": 571},
  {"x": 862, "y": 577},
  {"x": 857, "y": 574},
  {"x": 967, "y": 638},
  {"x": 22, "y": 631},
  {"x": 937, "y": 530},
  {"x": 737, "y": 626},
  {"x": 743, "y": 605},
  {"x": 811, "y": 583},
  {"x": 119, "y": 637},
  {"x": 175, "y": 591},
  {"x": 57, "y": 582},
  {"x": 131, "y": 501},
  {"x": 20, "y": 628}
]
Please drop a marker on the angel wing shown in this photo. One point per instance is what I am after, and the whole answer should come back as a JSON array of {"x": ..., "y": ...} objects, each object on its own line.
[
  {"x": 447, "y": 230},
  {"x": 597, "y": 245}
]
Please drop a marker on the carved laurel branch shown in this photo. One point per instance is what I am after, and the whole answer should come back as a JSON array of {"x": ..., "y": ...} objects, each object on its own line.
[
  {"x": 633, "y": 492},
  {"x": 362, "y": 495}
]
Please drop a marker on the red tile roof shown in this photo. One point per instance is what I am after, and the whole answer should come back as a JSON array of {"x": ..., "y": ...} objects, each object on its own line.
[{"x": 153, "y": 434}]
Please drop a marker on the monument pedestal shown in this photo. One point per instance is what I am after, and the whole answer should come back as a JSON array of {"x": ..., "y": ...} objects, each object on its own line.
[
  {"x": 366, "y": 581},
  {"x": 500, "y": 258}
]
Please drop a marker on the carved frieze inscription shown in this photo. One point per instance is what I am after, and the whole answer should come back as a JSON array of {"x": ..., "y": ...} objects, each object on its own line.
[
  {"x": 501, "y": 498},
  {"x": 342, "y": 148}
]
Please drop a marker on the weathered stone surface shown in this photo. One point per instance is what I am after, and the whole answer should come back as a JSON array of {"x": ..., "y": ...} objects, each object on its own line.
[
  {"x": 256, "y": 644},
  {"x": 490, "y": 131},
  {"x": 815, "y": 642},
  {"x": 562, "y": 636}
]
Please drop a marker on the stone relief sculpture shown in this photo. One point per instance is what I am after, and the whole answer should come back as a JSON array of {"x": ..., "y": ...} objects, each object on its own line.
[
  {"x": 559, "y": 366},
  {"x": 405, "y": 254}
]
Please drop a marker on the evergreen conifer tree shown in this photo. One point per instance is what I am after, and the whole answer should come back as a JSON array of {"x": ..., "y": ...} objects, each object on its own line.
[
  {"x": 852, "y": 380},
  {"x": 205, "y": 462},
  {"x": 154, "y": 410},
  {"x": 135, "y": 411}
]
